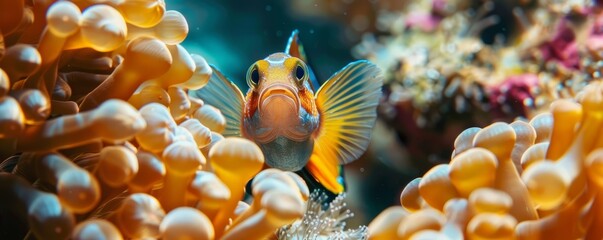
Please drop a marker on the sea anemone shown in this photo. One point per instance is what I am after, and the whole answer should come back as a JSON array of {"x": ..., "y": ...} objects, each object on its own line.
[{"x": 323, "y": 220}]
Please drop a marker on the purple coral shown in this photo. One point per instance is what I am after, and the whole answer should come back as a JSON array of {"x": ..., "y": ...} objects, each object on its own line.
[
  {"x": 513, "y": 95},
  {"x": 562, "y": 47}
]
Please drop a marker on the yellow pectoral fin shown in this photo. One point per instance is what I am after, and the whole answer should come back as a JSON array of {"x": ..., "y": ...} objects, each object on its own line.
[
  {"x": 325, "y": 172},
  {"x": 347, "y": 104}
]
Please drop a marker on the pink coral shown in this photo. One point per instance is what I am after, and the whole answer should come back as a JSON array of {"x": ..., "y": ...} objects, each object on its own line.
[
  {"x": 595, "y": 39},
  {"x": 512, "y": 94},
  {"x": 424, "y": 21},
  {"x": 562, "y": 47}
]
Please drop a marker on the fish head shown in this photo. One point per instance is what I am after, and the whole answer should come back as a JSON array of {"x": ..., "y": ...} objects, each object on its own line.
[{"x": 280, "y": 113}]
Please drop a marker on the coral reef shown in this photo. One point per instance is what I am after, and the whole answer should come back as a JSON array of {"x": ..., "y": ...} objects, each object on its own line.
[{"x": 446, "y": 70}]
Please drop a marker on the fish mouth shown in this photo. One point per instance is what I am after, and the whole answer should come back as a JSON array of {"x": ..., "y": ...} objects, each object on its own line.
[
  {"x": 279, "y": 101},
  {"x": 278, "y": 114}
]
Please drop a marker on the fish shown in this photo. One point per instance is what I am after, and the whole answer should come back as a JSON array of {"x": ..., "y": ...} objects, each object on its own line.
[{"x": 299, "y": 125}]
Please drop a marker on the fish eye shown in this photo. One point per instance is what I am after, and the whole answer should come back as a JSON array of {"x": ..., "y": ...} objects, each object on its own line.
[
  {"x": 300, "y": 72},
  {"x": 253, "y": 76}
]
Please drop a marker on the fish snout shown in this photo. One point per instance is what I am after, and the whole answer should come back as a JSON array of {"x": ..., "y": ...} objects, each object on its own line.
[{"x": 279, "y": 101}]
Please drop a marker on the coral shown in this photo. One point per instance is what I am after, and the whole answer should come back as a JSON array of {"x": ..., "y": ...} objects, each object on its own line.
[
  {"x": 551, "y": 193},
  {"x": 102, "y": 140},
  {"x": 99, "y": 138},
  {"x": 443, "y": 75}
]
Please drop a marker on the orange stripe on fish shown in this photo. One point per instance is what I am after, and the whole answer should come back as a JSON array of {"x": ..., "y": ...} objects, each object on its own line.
[
  {"x": 252, "y": 104},
  {"x": 307, "y": 101}
]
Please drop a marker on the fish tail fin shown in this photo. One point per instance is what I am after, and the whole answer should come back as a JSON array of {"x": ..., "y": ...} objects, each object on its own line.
[{"x": 327, "y": 175}]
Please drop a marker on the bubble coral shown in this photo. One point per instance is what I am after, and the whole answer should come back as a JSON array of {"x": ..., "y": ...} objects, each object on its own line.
[
  {"x": 63, "y": 20},
  {"x": 172, "y": 29},
  {"x": 211, "y": 192},
  {"x": 543, "y": 124},
  {"x": 140, "y": 216},
  {"x": 102, "y": 28},
  {"x": 499, "y": 138},
  {"x": 490, "y": 200},
  {"x": 436, "y": 187},
  {"x": 126, "y": 169},
  {"x": 146, "y": 13},
  {"x": 491, "y": 226},
  {"x": 148, "y": 94},
  {"x": 77, "y": 189},
  {"x": 568, "y": 169},
  {"x": 158, "y": 133},
  {"x": 279, "y": 207},
  {"x": 12, "y": 121},
  {"x": 211, "y": 117},
  {"x": 385, "y": 225},
  {"x": 45, "y": 214},
  {"x": 410, "y": 198},
  {"x": 553, "y": 193},
  {"x": 201, "y": 133},
  {"x": 96, "y": 229},
  {"x": 180, "y": 71},
  {"x": 201, "y": 74},
  {"x": 131, "y": 73},
  {"x": 179, "y": 103},
  {"x": 4, "y": 83},
  {"x": 234, "y": 166},
  {"x": 458, "y": 213},
  {"x": 186, "y": 222},
  {"x": 114, "y": 120},
  {"x": 19, "y": 61},
  {"x": 526, "y": 136},
  {"x": 473, "y": 169},
  {"x": 117, "y": 165},
  {"x": 151, "y": 171},
  {"x": 35, "y": 106},
  {"x": 181, "y": 159},
  {"x": 271, "y": 180},
  {"x": 534, "y": 153},
  {"x": 420, "y": 220}
]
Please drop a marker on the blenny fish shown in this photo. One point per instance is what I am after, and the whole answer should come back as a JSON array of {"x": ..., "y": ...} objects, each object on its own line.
[{"x": 312, "y": 132}]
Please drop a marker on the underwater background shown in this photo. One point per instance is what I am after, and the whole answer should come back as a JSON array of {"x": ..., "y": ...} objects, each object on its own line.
[
  {"x": 237, "y": 34},
  {"x": 114, "y": 125}
]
